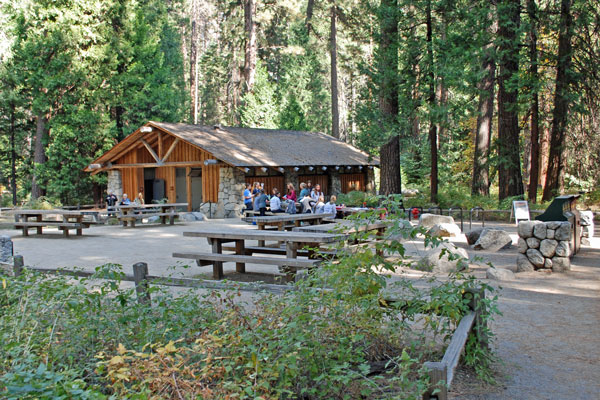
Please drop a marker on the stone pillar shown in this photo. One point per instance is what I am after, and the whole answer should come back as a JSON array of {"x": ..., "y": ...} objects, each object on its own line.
[
  {"x": 115, "y": 183},
  {"x": 231, "y": 193},
  {"x": 6, "y": 249},
  {"x": 335, "y": 183},
  {"x": 544, "y": 246},
  {"x": 290, "y": 176}
]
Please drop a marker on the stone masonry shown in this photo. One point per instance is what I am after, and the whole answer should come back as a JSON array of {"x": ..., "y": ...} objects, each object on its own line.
[
  {"x": 6, "y": 249},
  {"x": 231, "y": 190},
  {"x": 115, "y": 183},
  {"x": 544, "y": 246}
]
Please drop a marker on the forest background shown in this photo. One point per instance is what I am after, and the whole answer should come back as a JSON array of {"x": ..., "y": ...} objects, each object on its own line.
[{"x": 489, "y": 98}]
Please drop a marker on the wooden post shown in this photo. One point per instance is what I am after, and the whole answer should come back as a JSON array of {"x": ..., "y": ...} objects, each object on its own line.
[
  {"x": 239, "y": 249},
  {"x": 18, "y": 265},
  {"x": 217, "y": 248},
  {"x": 477, "y": 304},
  {"x": 291, "y": 251},
  {"x": 140, "y": 271},
  {"x": 438, "y": 372}
]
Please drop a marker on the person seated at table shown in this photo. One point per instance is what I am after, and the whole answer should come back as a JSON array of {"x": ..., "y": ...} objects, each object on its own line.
[
  {"x": 329, "y": 208},
  {"x": 111, "y": 200},
  {"x": 248, "y": 197},
  {"x": 125, "y": 200},
  {"x": 261, "y": 203},
  {"x": 275, "y": 202},
  {"x": 255, "y": 194},
  {"x": 291, "y": 193},
  {"x": 315, "y": 195},
  {"x": 304, "y": 194},
  {"x": 320, "y": 205},
  {"x": 139, "y": 200}
]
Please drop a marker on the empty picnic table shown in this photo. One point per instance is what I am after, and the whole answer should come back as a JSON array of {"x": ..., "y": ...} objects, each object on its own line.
[
  {"x": 25, "y": 219},
  {"x": 293, "y": 242},
  {"x": 286, "y": 221},
  {"x": 133, "y": 212}
]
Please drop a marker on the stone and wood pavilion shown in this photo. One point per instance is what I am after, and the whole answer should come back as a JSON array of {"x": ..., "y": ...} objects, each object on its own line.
[{"x": 207, "y": 167}]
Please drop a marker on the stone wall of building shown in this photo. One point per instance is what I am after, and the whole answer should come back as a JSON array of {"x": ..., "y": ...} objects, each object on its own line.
[
  {"x": 335, "y": 183},
  {"x": 544, "y": 246},
  {"x": 231, "y": 194},
  {"x": 290, "y": 176},
  {"x": 115, "y": 183}
]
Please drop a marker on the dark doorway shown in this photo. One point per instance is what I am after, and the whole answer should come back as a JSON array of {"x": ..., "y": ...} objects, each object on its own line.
[{"x": 149, "y": 175}]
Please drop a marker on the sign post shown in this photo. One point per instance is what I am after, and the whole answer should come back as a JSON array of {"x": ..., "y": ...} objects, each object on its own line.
[{"x": 520, "y": 210}]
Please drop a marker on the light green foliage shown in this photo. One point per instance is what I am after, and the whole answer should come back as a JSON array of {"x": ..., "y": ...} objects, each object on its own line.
[{"x": 259, "y": 109}]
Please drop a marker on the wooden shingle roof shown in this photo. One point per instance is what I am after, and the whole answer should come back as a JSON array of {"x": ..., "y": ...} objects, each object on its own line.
[{"x": 250, "y": 147}]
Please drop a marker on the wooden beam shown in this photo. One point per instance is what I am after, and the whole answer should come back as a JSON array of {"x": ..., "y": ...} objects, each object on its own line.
[
  {"x": 170, "y": 150},
  {"x": 156, "y": 165},
  {"x": 188, "y": 184},
  {"x": 151, "y": 150},
  {"x": 160, "y": 145}
]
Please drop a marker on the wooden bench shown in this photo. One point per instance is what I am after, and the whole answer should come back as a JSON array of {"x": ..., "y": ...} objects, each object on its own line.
[
  {"x": 249, "y": 250},
  {"x": 64, "y": 226},
  {"x": 131, "y": 213},
  {"x": 26, "y": 219}
]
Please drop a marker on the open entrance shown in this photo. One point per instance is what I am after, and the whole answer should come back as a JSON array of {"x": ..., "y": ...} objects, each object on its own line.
[{"x": 191, "y": 181}]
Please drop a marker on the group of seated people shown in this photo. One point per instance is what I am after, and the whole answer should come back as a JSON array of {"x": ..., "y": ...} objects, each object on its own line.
[
  {"x": 112, "y": 200},
  {"x": 312, "y": 200}
]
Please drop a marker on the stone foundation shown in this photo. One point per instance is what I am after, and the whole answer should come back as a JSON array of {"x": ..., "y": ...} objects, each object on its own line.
[
  {"x": 544, "y": 246},
  {"x": 231, "y": 194},
  {"x": 115, "y": 183}
]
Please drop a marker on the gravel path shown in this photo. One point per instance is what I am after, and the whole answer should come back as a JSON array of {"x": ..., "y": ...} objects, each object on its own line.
[{"x": 548, "y": 338}]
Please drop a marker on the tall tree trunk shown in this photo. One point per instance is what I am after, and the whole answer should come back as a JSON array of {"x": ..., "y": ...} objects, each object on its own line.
[
  {"x": 335, "y": 111},
  {"x": 485, "y": 116},
  {"x": 388, "y": 95},
  {"x": 433, "y": 179},
  {"x": 535, "y": 104},
  {"x": 193, "y": 65},
  {"x": 13, "y": 156},
  {"x": 510, "y": 181},
  {"x": 309, "y": 14},
  {"x": 391, "y": 181},
  {"x": 251, "y": 45},
  {"x": 39, "y": 154},
  {"x": 556, "y": 162},
  {"x": 442, "y": 90}
]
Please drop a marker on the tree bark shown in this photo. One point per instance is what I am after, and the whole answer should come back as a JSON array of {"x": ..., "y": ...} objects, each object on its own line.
[
  {"x": 309, "y": 14},
  {"x": 335, "y": 111},
  {"x": 510, "y": 181},
  {"x": 556, "y": 161},
  {"x": 251, "y": 45},
  {"x": 433, "y": 178},
  {"x": 485, "y": 115},
  {"x": 391, "y": 181},
  {"x": 39, "y": 154},
  {"x": 13, "y": 156},
  {"x": 535, "y": 104},
  {"x": 193, "y": 65}
]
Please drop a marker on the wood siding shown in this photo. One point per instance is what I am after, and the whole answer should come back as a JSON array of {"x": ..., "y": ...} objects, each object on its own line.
[
  {"x": 352, "y": 182},
  {"x": 133, "y": 178}
]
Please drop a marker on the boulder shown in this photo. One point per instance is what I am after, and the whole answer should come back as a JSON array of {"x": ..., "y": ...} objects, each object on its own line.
[
  {"x": 587, "y": 218},
  {"x": 563, "y": 232},
  {"x": 493, "y": 240},
  {"x": 429, "y": 220},
  {"x": 445, "y": 258},
  {"x": 199, "y": 216},
  {"x": 550, "y": 233},
  {"x": 500, "y": 274},
  {"x": 547, "y": 247},
  {"x": 526, "y": 228},
  {"x": 444, "y": 230},
  {"x": 553, "y": 224},
  {"x": 533, "y": 243},
  {"x": 563, "y": 249},
  {"x": 187, "y": 217},
  {"x": 539, "y": 231},
  {"x": 523, "y": 264},
  {"x": 548, "y": 263},
  {"x": 473, "y": 235},
  {"x": 535, "y": 257},
  {"x": 6, "y": 248},
  {"x": 153, "y": 219},
  {"x": 522, "y": 245},
  {"x": 561, "y": 264}
]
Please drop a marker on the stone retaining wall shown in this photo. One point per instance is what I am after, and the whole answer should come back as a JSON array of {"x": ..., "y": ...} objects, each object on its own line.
[{"x": 544, "y": 246}]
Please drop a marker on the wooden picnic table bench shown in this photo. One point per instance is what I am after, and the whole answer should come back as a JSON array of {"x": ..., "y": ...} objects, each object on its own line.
[
  {"x": 290, "y": 264},
  {"x": 282, "y": 221},
  {"x": 26, "y": 219},
  {"x": 129, "y": 214}
]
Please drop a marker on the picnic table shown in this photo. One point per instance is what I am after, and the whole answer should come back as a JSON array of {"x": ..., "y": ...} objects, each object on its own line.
[
  {"x": 133, "y": 212},
  {"x": 293, "y": 241},
  {"x": 26, "y": 219},
  {"x": 284, "y": 221}
]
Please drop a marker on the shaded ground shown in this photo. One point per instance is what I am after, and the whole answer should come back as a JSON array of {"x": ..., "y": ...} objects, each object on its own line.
[{"x": 548, "y": 338}]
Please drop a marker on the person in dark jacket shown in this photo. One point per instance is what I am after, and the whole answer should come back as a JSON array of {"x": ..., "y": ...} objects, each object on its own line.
[{"x": 261, "y": 202}]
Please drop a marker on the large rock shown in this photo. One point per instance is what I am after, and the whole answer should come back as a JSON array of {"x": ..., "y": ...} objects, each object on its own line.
[
  {"x": 473, "y": 235},
  {"x": 550, "y": 233},
  {"x": 561, "y": 264},
  {"x": 429, "y": 220},
  {"x": 199, "y": 216},
  {"x": 587, "y": 218},
  {"x": 547, "y": 247},
  {"x": 523, "y": 264},
  {"x": 6, "y": 248},
  {"x": 187, "y": 217},
  {"x": 553, "y": 224},
  {"x": 563, "y": 249},
  {"x": 522, "y": 245},
  {"x": 539, "y": 231},
  {"x": 444, "y": 230},
  {"x": 533, "y": 243},
  {"x": 535, "y": 257},
  {"x": 444, "y": 259},
  {"x": 526, "y": 228},
  {"x": 500, "y": 274},
  {"x": 563, "y": 232},
  {"x": 548, "y": 263},
  {"x": 493, "y": 240}
]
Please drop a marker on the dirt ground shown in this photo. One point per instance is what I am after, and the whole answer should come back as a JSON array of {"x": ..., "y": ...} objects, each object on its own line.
[{"x": 547, "y": 340}]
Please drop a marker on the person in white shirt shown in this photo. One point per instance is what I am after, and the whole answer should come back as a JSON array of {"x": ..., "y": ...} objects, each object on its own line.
[
  {"x": 275, "y": 202},
  {"x": 320, "y": 206},
  {"x": 329, "y": 208}
]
